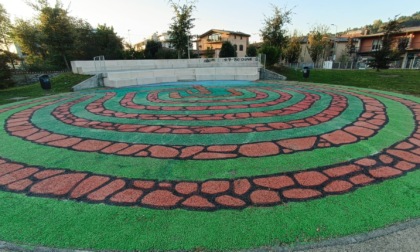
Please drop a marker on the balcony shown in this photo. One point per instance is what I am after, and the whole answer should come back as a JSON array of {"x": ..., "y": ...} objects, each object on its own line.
[{"x": 217, "y": 40}]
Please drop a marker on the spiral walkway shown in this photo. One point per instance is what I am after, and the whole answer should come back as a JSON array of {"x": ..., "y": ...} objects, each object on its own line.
[{"x": 207, "y": 146}]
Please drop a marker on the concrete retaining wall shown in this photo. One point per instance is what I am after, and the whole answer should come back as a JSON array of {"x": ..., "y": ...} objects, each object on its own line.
[
  {"x": 121, "y": 73},
  {"x": 88, "y": 67},
  {"x": 130, "y": 78},
  {"x": 270, "y": 75},
  {"x": 89, "y": 83}
]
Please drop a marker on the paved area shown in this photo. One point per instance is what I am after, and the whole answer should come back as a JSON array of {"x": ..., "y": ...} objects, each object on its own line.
[
  {"x": 404, "y": 240},
  {"x": 402, "y": 237}
]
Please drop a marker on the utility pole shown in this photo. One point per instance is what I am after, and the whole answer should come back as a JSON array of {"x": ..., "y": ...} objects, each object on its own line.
[{"x": 335, "y": 42}]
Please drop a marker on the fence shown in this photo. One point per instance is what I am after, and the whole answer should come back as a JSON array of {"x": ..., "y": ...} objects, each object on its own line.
[
  {"x": 411, "y": 64},
  {"x": 16, "y": 72},
  {"x": 21, "y": 78}
]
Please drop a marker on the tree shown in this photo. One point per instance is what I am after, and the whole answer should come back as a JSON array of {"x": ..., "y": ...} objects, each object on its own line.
[
  {"x": 385, "y": 55},
  {"x": 273, "y": 33},
  {"x": 350, "y": 47},
  {"x": 318, "y": 42},
  {"x": 53, "y": 38},
  {"x": 5, "y": 36},
  {"x": 227, "y": 50},
  {"x": 402, "y": 44},
  {"x": 5, "y": 72},
  {"x": 152, "y": 47},
  {"x": 106, "y": 42},
  {"x": 376, "y": 26},
  {"x": 56, "y": 25},
  {"x": 410, "y": 21},
  {"x": 272, "y": 54},
  {"x": 131, "y": 53},
  {"x": 180, "y": 29},
  {"x": 29, "y": 38},
  {"x": 50, "y": 35},
  {"x": 251, "y": 51},
  {"x": 293, "y": 49},
  {"x": 84, "y": 40}
]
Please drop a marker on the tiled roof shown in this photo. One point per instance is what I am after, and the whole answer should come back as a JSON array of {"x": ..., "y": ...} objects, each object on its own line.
[
  {"x": 403, "y": 30},
  {"x": 224, "y": 31}
]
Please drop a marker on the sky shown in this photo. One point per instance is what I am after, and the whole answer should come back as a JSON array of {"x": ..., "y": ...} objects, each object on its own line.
[{"x": 135, "y": 20}]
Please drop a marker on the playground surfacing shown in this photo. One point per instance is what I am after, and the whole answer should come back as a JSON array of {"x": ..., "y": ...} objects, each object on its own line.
[{"x": 207, "y": 165}]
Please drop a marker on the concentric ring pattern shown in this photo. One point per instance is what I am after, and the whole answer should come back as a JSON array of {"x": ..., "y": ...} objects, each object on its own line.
[{"x": 207, "y": 145}]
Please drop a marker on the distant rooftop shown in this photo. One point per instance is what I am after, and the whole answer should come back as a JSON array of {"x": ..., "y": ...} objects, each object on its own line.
[
  {"x": 403, "y": 30},
  {"x": 224, "y": 31}
]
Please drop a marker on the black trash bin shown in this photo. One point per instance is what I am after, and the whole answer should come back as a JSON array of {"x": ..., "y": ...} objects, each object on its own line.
[
  {"x": 306, "y": 72},
  {"x": 45, "y": 82}
]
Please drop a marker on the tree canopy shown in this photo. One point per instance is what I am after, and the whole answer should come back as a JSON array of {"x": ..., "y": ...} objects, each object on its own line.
[
  {"x": 272, "y": 54},
  {"x": 318, "y": 42},
  {"x": 410, "y": 21},
  {"x": 152, "y": 48},
  {"x": 52, "y": 38},
  {"x": 293, "y": 49},
  {"x": 405, "y": 21},
  {"x": 180, "y": 29},
  {"x": 58, "y": 31},
  {"x": 5, "y": 37},
  {"x": 386, "y": 54},
  {"x": 273, "y": 32},
  {"x": 5, "y": 72},
  {"x": 251, "y": 51}
]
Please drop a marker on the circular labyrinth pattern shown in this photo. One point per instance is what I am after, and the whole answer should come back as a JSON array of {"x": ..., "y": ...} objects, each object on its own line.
[{"x": 207, "y": 145}]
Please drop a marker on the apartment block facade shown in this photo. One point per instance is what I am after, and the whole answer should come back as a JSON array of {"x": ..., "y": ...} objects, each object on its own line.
[{"x": 211, "y": 42}]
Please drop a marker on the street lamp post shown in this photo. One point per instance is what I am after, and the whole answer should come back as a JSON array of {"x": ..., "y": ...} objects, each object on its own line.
[
  {"x": 335, "y": 42},
  {"x": 129, "y": 39}
]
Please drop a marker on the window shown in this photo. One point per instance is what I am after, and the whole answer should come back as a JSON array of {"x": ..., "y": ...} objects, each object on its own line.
[
  {"x": 376, "y": 44},
  {"x": 236, "y": 47},
  {"x": 241, "y": 47},
  {"x": 235, "y": 36},
  {"x": 241, "y": 37},
  {"x": 215, "y": 37}
]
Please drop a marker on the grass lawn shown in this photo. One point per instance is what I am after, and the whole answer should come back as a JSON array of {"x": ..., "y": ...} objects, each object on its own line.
[
  {"x": 401, "y": 81},
  {"x": 396, "y": 80},
  {"x": 60, "y": 84}
]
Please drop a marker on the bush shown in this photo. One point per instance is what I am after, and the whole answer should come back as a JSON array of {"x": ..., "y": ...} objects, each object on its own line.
[
  {"x": 227, "y": 50},
  {"x": 251, "y": 51},
  {"x": 272, "y": 54},
  {"x": 37, "y": 64},
  {"x": 5, "y": 73},
  {"x": 6, "y": 84},
  {"x": 152, "y": 48},
  {"x": 166, "y": 53}
]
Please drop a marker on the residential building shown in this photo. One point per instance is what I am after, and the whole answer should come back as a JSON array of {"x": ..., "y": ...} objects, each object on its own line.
[
  {"x": 163, "y": 38},
  {"x": 13, "y": 48},
  {"x": 140, "y": 46},
  {"x": 334, "y": 51},
  {"x": 370, "y": 43},
  {"x": 210, "y": 43}
]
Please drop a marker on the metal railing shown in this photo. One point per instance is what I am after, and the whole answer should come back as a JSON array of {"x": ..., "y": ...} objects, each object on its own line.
[{"x": 100, "y": 69}]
